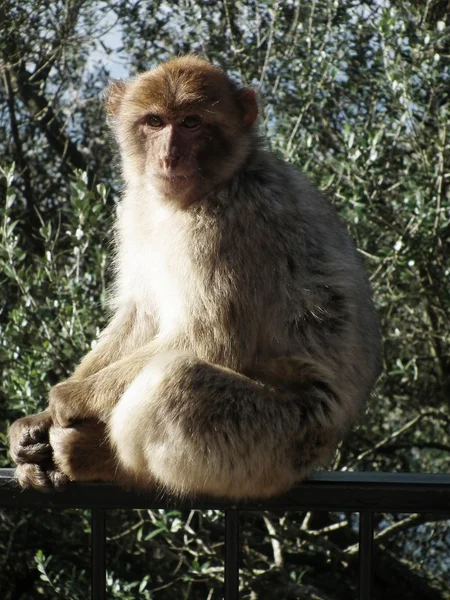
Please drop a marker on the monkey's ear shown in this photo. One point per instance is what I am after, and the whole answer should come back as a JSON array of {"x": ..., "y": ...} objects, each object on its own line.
[
  {"x": 113, "y": 96},
  {"x": 247, "y": 99}
]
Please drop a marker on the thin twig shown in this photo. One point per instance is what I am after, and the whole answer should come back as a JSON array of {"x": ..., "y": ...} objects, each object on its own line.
[
  {"x": 276, "y": 546},
  {"x": 269, "y": 44},
  {"x": 387, "y": 439}
]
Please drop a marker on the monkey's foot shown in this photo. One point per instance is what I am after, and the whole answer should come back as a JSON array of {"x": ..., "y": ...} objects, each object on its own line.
[
  {"x": 83, "y": 452},
  {"x": 29, "y": 441},
  {"x": 38, "y": 478}
]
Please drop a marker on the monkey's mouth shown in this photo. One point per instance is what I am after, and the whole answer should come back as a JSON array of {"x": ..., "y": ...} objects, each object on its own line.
[{"x": 174, "y": 177}]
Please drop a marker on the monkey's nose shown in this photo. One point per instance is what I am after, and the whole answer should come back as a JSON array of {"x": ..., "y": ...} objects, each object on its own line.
[{"x": 169, "y": 163}]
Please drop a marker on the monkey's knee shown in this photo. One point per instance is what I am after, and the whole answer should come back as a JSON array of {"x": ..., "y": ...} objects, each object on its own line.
[{"x": 174, "y": 424}]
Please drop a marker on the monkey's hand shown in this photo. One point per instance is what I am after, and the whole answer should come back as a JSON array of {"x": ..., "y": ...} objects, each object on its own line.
[
  {"x": 31, "y": 451},
  {"x": 69, "y": 402},
  {"x": 95, "y": 396}
]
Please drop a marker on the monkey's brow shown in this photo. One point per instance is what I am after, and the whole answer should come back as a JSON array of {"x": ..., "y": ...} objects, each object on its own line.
[{"x": 177, "y": 106}]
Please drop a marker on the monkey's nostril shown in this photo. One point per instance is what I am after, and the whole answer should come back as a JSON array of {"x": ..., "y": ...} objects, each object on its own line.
[{"x": 169, "y": 162}]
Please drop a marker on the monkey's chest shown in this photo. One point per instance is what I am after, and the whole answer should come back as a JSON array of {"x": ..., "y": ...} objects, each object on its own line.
[
  {"x": 200, "y": 307},
  {"x": 163, "y": 292}
]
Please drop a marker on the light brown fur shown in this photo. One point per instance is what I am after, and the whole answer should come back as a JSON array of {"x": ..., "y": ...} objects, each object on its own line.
[{"x": 244, "y": 342}]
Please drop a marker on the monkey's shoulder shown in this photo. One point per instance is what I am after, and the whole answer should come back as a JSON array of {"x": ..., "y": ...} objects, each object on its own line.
[
  {"x": 271, "y": 200},
  {"x": 279, "y": 190}
]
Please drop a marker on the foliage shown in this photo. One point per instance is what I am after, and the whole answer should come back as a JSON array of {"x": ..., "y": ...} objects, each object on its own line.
[{"x": 356, "y": 94}]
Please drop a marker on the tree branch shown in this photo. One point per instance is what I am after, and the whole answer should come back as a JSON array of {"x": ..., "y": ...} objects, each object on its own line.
[{"x": 46, "y": 118}]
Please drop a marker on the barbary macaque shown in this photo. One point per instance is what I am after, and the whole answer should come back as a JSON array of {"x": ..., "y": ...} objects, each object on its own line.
[{"x": 244, "y": 341}]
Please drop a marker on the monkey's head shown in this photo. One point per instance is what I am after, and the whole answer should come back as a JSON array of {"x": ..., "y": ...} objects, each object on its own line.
[{"x": 183, "y": 127}]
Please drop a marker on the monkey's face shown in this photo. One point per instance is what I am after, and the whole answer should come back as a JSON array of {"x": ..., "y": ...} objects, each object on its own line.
[
  {"x": 184, "y": 127},
  {"x": 176, "y": 149}
]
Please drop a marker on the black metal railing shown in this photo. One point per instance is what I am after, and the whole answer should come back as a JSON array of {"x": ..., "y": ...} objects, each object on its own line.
[{"x": 363, "y": 493}]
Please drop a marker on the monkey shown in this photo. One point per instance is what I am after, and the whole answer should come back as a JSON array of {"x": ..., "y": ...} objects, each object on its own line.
[{"x": 244, "y": 341}]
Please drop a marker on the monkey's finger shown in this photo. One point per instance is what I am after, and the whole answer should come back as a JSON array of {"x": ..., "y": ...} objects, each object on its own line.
[
  {"x": 63, "y": 419},
  {"x": 60, "y": 408},
  {"x": 61, "y": 414},
  {"x": 33, "y": 453},
  {"x": 36, "y": 433}
]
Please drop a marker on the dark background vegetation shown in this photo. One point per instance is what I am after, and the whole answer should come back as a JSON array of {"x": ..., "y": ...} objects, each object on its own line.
[{"x": 356, "y": 94}]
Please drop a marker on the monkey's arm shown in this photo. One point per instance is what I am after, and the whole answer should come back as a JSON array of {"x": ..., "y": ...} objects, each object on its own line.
[
  {"x": 29, "y": 441},
  {"x": 102, "y": 372},
  {"x": 96, "y": 394},
  {"x": 29, "y": 437},
  {"x": 114, "y": 341}
]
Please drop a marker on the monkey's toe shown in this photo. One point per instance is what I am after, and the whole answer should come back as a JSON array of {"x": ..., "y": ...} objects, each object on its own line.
[
  {"x": 58, "y": 479},
  {"x": 32, "y": 453},
  {"x": 32, "y": 476}
]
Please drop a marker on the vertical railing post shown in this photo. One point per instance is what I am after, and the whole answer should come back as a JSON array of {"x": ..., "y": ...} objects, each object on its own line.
[
  {"x": 98, "y": 549},
  {"x": 231, "y": 554},
  {"x": 365, "y": 555}
]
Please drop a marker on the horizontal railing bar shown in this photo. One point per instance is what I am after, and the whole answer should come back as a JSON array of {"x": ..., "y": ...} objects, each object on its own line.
[{"x": 388, "y": 492}]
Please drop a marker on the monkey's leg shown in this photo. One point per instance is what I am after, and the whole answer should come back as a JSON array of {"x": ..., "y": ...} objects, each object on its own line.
[{"x": 200, "y": 428}]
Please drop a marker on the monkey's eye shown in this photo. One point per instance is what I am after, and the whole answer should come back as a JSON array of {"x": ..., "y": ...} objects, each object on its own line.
[
  {"x": 191, "y": 121},
  {"x": 153, "y": 121}
]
